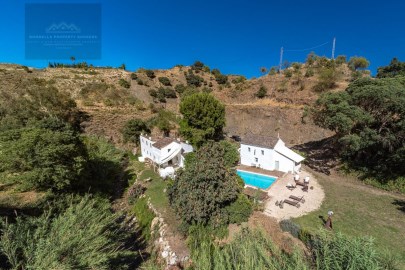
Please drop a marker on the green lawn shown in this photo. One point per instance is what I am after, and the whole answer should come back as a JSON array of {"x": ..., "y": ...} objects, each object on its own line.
[{"x": 361, "y": 211}]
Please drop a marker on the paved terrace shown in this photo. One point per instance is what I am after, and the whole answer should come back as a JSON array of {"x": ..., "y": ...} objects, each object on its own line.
[{"x": 278, "y": 192}]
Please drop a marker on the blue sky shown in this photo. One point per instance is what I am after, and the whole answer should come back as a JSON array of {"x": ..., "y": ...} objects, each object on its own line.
[{"x": 238, "y": 37}]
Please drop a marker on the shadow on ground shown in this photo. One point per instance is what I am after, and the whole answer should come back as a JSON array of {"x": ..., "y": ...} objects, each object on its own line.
[{"x": 400, "y": 204}]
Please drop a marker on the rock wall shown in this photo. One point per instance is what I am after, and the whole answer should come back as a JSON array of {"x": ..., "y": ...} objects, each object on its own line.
[{"x": 162, "y": 245}]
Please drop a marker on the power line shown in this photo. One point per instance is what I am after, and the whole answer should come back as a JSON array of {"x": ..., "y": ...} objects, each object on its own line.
[{"x": 306, "y": 49}]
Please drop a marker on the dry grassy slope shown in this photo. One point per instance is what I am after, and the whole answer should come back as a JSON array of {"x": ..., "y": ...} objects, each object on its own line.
[{"x": 279, "y": 112}]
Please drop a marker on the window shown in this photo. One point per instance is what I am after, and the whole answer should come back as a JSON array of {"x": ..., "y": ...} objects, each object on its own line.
[
  {"x": 254, "y": 152},
  {"x": 168, "y": 150},
  {"x": 249, "y": 149},
  {"x": 256, "y": 159},
  {"x": 262, "y": 152}
]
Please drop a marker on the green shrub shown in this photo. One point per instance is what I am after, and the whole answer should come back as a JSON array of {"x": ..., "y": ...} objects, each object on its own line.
[
  {"x": 139, "y": 81},
  {"x": 288, "y": 73},
  {"x": 133, "y": 129},
  {"x": 197, "y": 66},
  {"x": 239, "y": 79},
  {"x": 134, "y": 76},
  {"x": 341, "y": 59},
  {"x": 180, "y": 88},
  {"x": 327, "y": 80},
  {"x": 193, "y": 80},
  {"x": 273, "y": 71},
  {"x": 150, "y": 73},
  {"x": 356, "y": 63},
  {"x": 309, "y": 73},
  {"x": 124, "y": 83},
  {"x": 165, "y": 81},
  {"x": 221, "y": 79},
  {"x": 240, "y": 210},
  {"x": 262, "y": 92}
]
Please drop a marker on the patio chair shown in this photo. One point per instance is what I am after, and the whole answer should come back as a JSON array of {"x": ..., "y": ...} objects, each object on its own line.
[
  {"x": 298, "y": 199},
  {"x": 305, "y": 189},
  {"x": 291, "y": 187},
  {"x": 293, "y": 203}
]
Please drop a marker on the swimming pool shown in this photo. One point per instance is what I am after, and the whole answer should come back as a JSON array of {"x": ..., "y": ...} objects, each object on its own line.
[{"x": 257, "y": 180}]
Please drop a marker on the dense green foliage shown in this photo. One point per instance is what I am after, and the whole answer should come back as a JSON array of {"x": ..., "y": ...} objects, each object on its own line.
[
  {"x": 192, "y": 79},
  {"x": 395, "y": 68},
  {"x": 133, "y": 129},
  {"x": 86, "y": 235},
  {"x": 369, "y": 118},
  {"x": 231, "y": 154},
  {"x": 203, "y": 118},
  {"x": 46, "y": 154},
  {"x": 240, "y": 210},
  {"x": 356, "y": 63},
  {"x": 262, "y": 92},
  {"x": 201, "y": 192}
]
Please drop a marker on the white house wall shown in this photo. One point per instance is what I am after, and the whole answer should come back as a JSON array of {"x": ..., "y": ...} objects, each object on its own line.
[
  {"x": 285, "y": 164},
  {"x": 147, "y": 149},
  {"x": 265, "y": 161}
]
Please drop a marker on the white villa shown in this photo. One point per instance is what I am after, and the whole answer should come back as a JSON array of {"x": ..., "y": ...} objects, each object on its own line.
[
  {"x": 165, "y": 153},
  {"x": 269, "y": 153}
]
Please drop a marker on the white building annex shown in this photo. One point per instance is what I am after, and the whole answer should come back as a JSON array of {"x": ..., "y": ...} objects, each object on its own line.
[
  {"x": 166, "y": 154},
  {"x": 269, "y": 153}
]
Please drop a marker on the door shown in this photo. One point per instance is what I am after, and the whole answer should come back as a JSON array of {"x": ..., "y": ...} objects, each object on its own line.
[{"x": 277, "y": 165}]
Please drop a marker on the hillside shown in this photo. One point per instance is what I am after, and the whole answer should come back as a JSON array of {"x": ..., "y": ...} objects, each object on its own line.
[{"x": 111, "y": 96}]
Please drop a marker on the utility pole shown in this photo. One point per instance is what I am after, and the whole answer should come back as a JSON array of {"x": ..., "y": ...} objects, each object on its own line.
[
  {"x": 281, "y": 59},
  {"x": 333, "y": 48}
]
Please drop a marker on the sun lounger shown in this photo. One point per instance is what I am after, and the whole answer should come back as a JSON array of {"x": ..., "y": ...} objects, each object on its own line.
[
  {"x": 298, "y": 199},
  {"x": 293, "y": 203},
  {"x": 300, "y": 183}
]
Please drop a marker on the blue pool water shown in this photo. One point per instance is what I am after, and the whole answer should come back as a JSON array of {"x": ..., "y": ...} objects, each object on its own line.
[{"x": 256, "y": 180}]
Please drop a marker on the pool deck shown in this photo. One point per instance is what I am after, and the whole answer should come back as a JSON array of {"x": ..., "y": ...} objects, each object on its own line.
[
  {"x": 277, "y": 174},
  {"x": 278, "y": 192}
]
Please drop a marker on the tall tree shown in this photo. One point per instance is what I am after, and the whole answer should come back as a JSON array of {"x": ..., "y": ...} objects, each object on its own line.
[
  {"x": 203, "y": 118},
  {"x": 201, "y": 192},
  {"x": 369, "y": 118}
]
